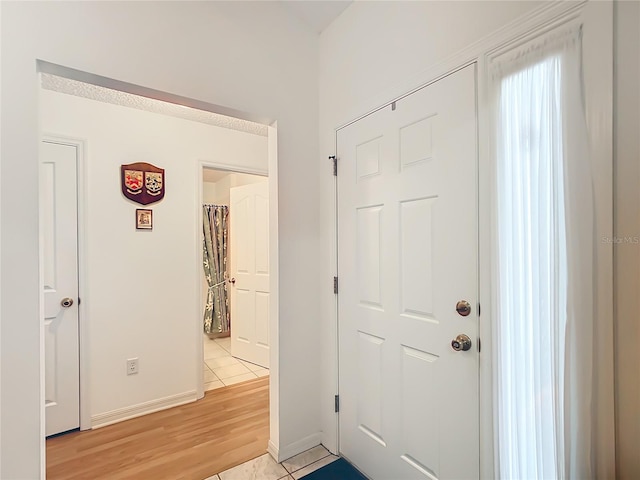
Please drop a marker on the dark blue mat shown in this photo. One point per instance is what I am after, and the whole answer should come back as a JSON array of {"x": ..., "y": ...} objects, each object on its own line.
[{"x": 338, "y": 470}]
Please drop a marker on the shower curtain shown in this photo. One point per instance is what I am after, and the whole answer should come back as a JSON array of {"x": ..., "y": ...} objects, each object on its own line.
[{"x": 216, "y": 311}]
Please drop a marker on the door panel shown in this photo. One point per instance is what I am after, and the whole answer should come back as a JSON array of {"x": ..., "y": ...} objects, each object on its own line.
[
  {"x": 407, "y": 243},
  {"x": 416, "y": 262},
  {"x": 60, "y": 249},
  {"x": 249, "y": 254}
]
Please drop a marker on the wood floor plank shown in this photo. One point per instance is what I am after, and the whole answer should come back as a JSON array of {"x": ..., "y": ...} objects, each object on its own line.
[{"x": 229, "y": 426}]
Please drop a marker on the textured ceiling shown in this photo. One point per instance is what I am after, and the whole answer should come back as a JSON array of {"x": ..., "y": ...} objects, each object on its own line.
[{"x": 115, "y": 97}]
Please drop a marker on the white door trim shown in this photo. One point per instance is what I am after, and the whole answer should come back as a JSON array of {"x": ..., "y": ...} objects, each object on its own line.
[
  {"x": 83, "y": 322},
  {"x": 544, "y": 17}
]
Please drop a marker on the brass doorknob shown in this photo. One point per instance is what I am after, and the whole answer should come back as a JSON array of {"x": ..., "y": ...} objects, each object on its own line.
[
  {"x": 461, "y": 343},
  {"x": 66, "y": 302},
  {"x": 463, "y": 308}
]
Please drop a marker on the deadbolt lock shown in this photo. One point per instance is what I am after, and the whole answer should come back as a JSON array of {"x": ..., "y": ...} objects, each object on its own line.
[
  {"x": 463, "y": 308},
  {"x": 66, "y": 302}
]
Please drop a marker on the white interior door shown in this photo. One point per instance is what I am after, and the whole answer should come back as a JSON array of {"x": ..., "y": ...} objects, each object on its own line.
[
  {"x": 249, "y": 288},
  {"x": 407, "y": 243},
  {"x": 60, "y": 235}
]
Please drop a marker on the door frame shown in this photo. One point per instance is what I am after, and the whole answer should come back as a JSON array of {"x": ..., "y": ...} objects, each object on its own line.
[
  {"x": 202, "y": 165},
  {"x": 83, "y": 324},
  {"x": 272, "y": 173},
  {"x": 480, "y": 53}
]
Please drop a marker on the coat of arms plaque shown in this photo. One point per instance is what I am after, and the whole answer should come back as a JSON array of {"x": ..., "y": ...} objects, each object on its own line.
[{"x": 142, "y": 182}]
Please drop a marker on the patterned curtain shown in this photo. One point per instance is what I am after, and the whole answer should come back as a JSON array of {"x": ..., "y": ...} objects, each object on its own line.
[{"x": 216, "y": 311}]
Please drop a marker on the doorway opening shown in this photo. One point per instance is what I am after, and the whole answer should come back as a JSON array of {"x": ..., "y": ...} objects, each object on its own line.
[
  {"x": 150, "y": 260},
  {"x": 235, "y": 283}
]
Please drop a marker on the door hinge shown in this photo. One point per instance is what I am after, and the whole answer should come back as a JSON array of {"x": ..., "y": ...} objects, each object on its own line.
[
  {"x": 335, "y": 285},
  {"x": 79, "y": 300},
  {"x": 337, "y": 403},
  {"x": 334, "y": 159},
  {"x": 479, "y": 345}
]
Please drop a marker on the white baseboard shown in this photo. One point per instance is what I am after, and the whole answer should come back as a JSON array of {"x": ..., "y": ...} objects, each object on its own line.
[
  {"x": 330, "y": 443},
  {"x": 273, "y": 451},
  {"x": 126, "y": 413},
  {"x": 295, "y": 448}
]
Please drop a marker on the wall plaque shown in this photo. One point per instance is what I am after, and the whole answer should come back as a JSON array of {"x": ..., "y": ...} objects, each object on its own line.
[{"x": 142, "y": 182}]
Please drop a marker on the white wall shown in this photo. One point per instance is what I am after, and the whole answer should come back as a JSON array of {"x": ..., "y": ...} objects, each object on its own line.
[
  {"x": 627, "y": 225},
  {"x": 140, "y": 302},
  {"x": 1, "y": 275},
  {"x": 220, "y": 191},
  {"x": 372, "y": 53},
  {"x": 217, "y": 193},
  {"x": 209, "y": 191},
  {"x": 241, "y": 179},
  {"x": 251, "y": 56}
]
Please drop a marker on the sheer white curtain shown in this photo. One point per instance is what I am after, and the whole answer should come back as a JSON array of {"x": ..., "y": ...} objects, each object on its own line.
[{"x": 546, "y": 258}]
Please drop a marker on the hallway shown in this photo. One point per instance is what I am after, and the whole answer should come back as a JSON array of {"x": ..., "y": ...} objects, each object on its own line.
[{"x": 226, "y": 428}]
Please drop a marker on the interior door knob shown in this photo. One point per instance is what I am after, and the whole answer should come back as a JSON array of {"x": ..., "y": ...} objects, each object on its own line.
[
  {"x": 66, "y": 302},
  {"x": 461, "y": 343},
  {"x": 233, "y": 281}
]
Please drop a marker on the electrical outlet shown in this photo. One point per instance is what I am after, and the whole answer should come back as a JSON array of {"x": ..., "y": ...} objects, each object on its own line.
[{"x": 132, "y": 366}]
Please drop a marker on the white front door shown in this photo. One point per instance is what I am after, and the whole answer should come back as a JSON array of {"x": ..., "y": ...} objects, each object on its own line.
[
  {"x": 60, "y": 235},
  {"x": 249, "y": 256},
  {"x": 407, "y": 253}
]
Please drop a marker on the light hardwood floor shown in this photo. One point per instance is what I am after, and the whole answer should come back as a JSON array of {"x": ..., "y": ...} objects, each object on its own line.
[{"x": 227, "y": 427}]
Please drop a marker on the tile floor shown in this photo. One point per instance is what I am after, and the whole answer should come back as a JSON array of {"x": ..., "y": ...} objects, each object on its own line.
[
  {"x": 221, "y": 369},
  {"x": 265, "y": 467}
]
